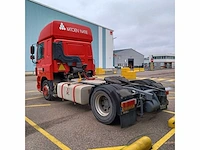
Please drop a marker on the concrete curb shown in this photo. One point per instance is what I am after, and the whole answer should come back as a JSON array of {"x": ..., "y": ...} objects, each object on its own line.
[
  {"x": 171, "y": 122},
  {"x": 144, "y": 143}
]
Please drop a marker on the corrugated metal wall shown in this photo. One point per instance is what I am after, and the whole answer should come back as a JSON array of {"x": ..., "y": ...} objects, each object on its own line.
[
  {"x": 37, "y": 16},
  {"x": 122, "y": 56}
]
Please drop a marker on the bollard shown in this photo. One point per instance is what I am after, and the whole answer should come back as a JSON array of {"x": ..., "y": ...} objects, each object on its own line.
[
  {"x": 171, "y": 122},
  {"x": 144, "y": 143}
]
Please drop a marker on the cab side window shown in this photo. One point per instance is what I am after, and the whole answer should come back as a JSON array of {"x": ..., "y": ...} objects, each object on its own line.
[{"x": 40, "y": 51}]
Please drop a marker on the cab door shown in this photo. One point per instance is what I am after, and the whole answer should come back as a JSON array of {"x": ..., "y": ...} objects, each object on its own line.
[{"x": 40, "y": 58}]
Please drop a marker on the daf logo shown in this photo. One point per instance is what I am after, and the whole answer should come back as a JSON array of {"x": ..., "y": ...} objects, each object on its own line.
[{"x": 62, "y": 27}]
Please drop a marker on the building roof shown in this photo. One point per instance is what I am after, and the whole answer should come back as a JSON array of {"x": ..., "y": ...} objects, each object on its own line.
[
  {"x": 119, "y": 50},
  {"x": 68, "y": 14},
  {"x": 168, "y": 54}
]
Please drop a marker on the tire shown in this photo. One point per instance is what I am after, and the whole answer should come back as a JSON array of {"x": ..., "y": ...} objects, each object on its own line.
[
  {"x": 47, "y": 90},
  {"x": 103, "y": 106}
]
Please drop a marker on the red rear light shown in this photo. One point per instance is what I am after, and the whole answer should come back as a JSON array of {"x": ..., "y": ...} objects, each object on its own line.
[
  {"x": 167, "y": 92},
  {"x": 127, "y": 105}
]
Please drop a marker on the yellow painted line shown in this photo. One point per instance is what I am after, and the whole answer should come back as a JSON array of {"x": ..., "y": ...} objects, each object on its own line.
[
  {"x": 171, "y": 80},
  {"x": 41, "y": 105},
  {"x": 171, "y": 97},
  {"x": 161, "y": 79},
  {"x": 157, "y": 79},
  {"x": 166, "y": 137},
  {"x": 31, "y": 91},
  {"x": 144, "y": 143},
  {"x": 141, "y": 78},
  {"x": 168, "y": 111},
  {"x": 153, "y": 78},
  {"x": 47, "y": 135},
  {"x": 33, "y": 98},
  {"x": 109, "y": 148},
  {"x": 101, "y": 77}
]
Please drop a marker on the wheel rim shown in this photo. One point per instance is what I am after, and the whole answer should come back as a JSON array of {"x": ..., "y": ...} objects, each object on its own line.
[
  {"x": 46, "y": 90},
  {"x": 102, "y": 105}
]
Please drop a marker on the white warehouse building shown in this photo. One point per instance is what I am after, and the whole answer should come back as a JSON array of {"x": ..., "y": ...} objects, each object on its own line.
[
  {"x": 127, "y": 58},
  {"x": 160, "y": 61}
]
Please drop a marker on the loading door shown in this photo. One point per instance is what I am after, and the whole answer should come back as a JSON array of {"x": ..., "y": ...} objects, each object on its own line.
[{"x": 131, "y": 63}]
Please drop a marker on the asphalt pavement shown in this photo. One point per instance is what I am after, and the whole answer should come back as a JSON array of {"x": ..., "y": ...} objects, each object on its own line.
[{"x": 52, "y": 125}]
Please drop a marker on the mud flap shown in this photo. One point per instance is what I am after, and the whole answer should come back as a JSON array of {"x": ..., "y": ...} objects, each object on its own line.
[{"x": 128, "y": 119}]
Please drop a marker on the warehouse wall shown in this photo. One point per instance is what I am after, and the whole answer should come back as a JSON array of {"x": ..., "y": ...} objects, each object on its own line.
[
  {"x": 37, "y": 16},
  {"x": 122, "y": 57},
  {"x": 109, "y": 49}
]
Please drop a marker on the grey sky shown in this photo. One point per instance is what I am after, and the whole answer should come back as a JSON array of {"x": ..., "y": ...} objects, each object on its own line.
[{"x": 148, "y": 26}]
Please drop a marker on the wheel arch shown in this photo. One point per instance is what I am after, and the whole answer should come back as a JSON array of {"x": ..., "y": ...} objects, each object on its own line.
[{"x": 42, "y": 80}]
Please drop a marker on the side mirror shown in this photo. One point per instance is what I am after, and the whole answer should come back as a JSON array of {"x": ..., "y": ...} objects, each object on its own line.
[
  {"x": 32, "y": 49},
  {"x": 32, "y": 57}
]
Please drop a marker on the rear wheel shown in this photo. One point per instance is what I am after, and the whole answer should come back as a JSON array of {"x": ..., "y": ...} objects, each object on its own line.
[
  {"x": 47, "y": 89},
  {"x": 103, "y": 106}
]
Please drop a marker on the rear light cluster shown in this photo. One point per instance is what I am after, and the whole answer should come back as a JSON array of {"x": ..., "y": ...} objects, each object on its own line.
[
  {"x": 127, "y": 105},
  {"x": 167, "y": 92}
]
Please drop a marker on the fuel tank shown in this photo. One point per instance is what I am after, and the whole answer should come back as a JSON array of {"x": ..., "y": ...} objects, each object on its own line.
[{"x": 75, "y": 92}]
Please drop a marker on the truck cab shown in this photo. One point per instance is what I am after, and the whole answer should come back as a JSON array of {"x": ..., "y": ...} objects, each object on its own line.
[{"x": 63, "y": 51}]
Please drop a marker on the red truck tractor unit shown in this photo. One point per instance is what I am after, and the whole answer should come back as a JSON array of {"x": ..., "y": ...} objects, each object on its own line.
[{"x": 65, "y": 69}]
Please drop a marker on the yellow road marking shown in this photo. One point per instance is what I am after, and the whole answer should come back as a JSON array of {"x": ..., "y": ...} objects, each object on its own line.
[
  {"x": 166, "y": 137},
  {"x": 160, "y": 79},
  {"x": 37, "y": 105},
  {"x": 141, "y": 78},
  {"x": 33, "y": 98},
  {"x": 171, "y": 80},
  {"x": 31, "y": 91},
  {"x": 101, "y": 77},
  {"x": 168, "y": 111},
  {"x": 163, "y": 79},
  {"x": 171, "y": 97},
  {"x": 47, "y": 135},
  {"x": 156, "y": 79}
]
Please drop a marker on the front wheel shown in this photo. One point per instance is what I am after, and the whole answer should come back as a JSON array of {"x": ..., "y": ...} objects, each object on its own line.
[
  {"x": 47, "y": 90},
  {"x": 103, "y": 106}
]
